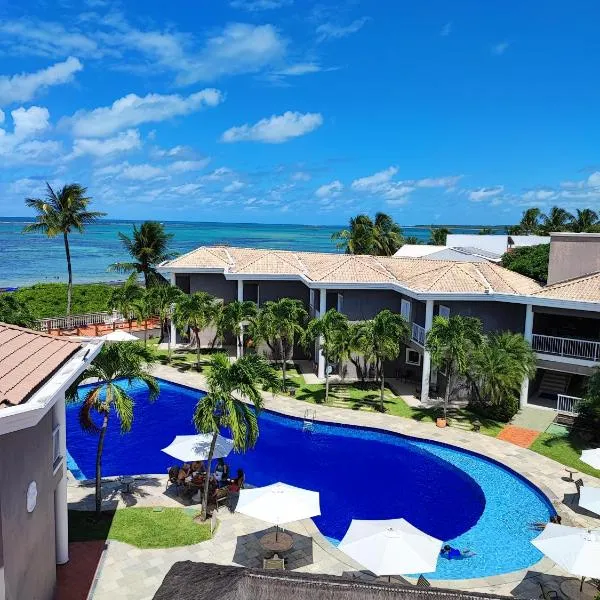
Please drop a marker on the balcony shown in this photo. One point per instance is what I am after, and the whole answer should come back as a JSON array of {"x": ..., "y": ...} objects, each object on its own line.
[
  {"x": 567, "y": 347},
  {"x": 418, "y": 334},
  {"x": 568, "y": 405}
]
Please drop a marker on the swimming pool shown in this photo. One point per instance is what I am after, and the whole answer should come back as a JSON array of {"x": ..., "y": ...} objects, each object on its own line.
[{"x": 462, "y": 498}]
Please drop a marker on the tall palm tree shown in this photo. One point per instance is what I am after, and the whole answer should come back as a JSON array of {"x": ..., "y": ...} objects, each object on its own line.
[
  {"x": 281, "y": 324},
  {"x": 195, "y": 312},
  {"x": 108, "y": 396},
  {"x": 222, "y": 407},
  {"x": 513, "y": 230},
  {"x": 585, "y": 221},
  {"x": 499, "y": 365},
  {"x": 358, "y": 238},
  {"x": 387, "y": 235},
  {"x": 413, "y": 240},
  {"x": 557, "y": 219},
  {"x": 437, "y": 236},
  {"x": 148, "y": 247},
  {"x": 144, "y": 310},
  {"x": 231, "y": 319},
  {"x": 381, "y": 338},
  {"x": 163, "y": 298},
  {"x": 123, "y": 297},
  {"x": 530, "y": 221},
  {"x": 59, "y": 213},
  {"x": 332, "y": 331},
  {"x": 452, "y": 342}
]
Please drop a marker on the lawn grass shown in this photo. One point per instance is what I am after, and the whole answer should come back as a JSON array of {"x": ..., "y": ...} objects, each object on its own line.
[
  {"x": 140, "y": 527},
  {"x": 565, "y": 450},
  {"x": 181, "y": 359}
]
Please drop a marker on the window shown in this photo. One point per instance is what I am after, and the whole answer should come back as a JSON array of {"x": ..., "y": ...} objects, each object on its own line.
[
  {"x": 405, "y": 309},
  {"x": 340, "y": 302},
  {"x": 183, "y": 283},
  {"x": 444, "y": 311},
  {"x": 413, "y": 357}
]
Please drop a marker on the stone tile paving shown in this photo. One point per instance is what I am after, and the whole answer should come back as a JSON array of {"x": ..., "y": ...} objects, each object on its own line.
[
  {"x": 134, "y": 574},
  {"x": 531, "y": 417}
]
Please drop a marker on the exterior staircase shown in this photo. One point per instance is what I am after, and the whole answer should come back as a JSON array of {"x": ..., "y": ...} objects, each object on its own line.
[{"x": 554, "y": 382}]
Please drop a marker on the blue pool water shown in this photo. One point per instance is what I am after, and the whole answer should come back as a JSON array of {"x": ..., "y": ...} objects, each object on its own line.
[{"x": 460, "y": 497}]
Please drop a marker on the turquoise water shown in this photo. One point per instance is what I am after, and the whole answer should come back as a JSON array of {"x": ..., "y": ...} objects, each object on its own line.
[
  {"x": 32, "y": 258},
  {"x": 459, "y": 497}
]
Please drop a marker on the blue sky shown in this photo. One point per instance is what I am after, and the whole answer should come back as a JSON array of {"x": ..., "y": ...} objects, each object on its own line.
[{"x": 296, "y": 111}]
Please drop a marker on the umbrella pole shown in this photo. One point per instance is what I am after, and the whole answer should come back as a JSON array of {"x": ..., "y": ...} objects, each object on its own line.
[
  {"x": 581, "y": 586},
  {"x": 277, "y": 531}
]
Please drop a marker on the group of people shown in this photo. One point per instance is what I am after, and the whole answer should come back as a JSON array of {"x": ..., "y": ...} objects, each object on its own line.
[{"x": 192, "y": 476}]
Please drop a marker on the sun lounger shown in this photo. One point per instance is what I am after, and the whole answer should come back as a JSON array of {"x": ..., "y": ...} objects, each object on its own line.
[
  {"x": 422, "y": 582},
  {"x": 547, "y": 593}
]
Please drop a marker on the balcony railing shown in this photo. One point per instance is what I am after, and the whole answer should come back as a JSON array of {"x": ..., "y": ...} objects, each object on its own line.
[
  {"x": 568, "y": 347},
  {"x": 418, "y": 334},
  {"x": 568, "y": 405}
]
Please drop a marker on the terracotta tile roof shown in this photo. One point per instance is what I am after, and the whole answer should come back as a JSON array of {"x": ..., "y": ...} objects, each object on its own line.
[
  {"x": 585, "y": 289},
  {"x": 27, "y": 359},
  {"x": 418, "y": 274}
]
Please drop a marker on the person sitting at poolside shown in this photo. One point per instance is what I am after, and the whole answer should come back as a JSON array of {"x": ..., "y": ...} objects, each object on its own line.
[
  {"x": 184, "y": 472},
  {"x": 236, "y": 484},
  {"x": 221, "y": 471},
  {"x": 556, "y": 519},
  {"x": 454, "y": 553},
  {"x": 197, "y": 467}
]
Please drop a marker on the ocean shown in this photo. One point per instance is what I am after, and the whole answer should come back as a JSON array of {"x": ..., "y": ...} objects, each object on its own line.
[{"x": 34, "y": 258}]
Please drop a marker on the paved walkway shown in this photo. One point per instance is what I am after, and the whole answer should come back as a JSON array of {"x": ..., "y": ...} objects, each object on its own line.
[
  {"x": 134, "y": 574},
  {"x": 518, "y": 435},
  {"x": 536, "y": 419}
]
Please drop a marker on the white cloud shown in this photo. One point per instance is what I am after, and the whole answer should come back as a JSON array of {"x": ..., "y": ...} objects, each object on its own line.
[
  {"x": 186, "y": 188},
  {"x": 109, "y": 170},
  {"x": 501, "y": 48},
  {"x": 258, "y": 5},
  {"x": 234, "y": 186},
  {"x": 594, "y": 179},
  {"x": 275, "y": 129},
  {"x": 446, "y": 29},
  {"x": 433, "y": 182},
  {"x": 330, "y": 190},
  {"x": 485, "y": 192},
  {"x": 1, "y": 116},
  {"x": 42, "y": 38},
  {"x": 375, "y": 181},
  {"x": 183, "y": 166},
  {"x": 45, "y": 151},
  {"x": 131, "y": 110},
  {"x": 328, "y": 31},
  {"x": 122, "y": 142},
  {"x": 25, "y": 86},
  {"x": 301, "y": 176},
  {"x": 218, "y": 174},
  {"x": 142, "y": 172},
  {"x": 538, "y": 195},
  {"x": 28, "y": 121},
  {"x": 396, "y": 192},
  {"x": 300, "y": 69}
]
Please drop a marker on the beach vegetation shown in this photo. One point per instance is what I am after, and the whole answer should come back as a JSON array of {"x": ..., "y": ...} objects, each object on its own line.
[
  {"x": 531, "y": 261},
  {"x": 14, "y": 311},
  {"x": 380, "y": 237},
  {"x": 60, "y": 213},
  {"x": 230, "y": 319},
  {"x": 123, "y": 297},
  {"x": 107, "y": 397},
  {"x": 438, "y": 235}
]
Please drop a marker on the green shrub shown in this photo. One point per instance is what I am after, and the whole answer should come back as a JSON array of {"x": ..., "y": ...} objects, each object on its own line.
[{"x": 531, "y": 261}]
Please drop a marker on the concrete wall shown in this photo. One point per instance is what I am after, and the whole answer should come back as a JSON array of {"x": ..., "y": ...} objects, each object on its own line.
[
  {"x": 214, "y": 284},
  {"x": 275, "y": 290},
  {"x": 495, "y": 316},
  {"x": 28, "y": 539},
  {"x": 573, "y": 255},
  {"x": 365, "y": 304}
]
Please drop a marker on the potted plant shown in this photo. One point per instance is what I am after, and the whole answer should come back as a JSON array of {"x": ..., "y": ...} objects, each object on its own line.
[{"x": 440, "y": 420}]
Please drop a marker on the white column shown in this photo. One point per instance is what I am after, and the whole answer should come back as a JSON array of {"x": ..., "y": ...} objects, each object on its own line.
[
  {"x": 322, "y": 311},
  {"x": 528, "y": 335},
  {"x": 61, "y": 513},
  {"x": 240, "y": 297},
  {"x": 426, "y": 354},
  {"x": 173, "y": 330}
]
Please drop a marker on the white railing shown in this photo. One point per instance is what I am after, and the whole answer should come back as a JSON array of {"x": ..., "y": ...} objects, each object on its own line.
[
  {"x": 567, "y": 404},
  {"x": 569, "y": 347},
  {"x": 79, "y": 320},
  {"x": 418, "y": 334}
]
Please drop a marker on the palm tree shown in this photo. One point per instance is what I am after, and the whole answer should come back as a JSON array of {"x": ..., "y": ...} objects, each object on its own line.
[
  {"x": 195, "y": 312},
  {"x": 513, "y": 230},
  {"x": 412, "y": 240},
  {"x": 61, "y": 212},
  {"x": 108, "y": 396},
  {"x": 148, "y": 247},
  {"x": 485, "y": 231},
  {"x": 438, "y": 236},
  {"x": 381, "y": 339},
  {"x": 387, "y": 235},
  {"x": 585, "y": 221},
  {"x": 281, "y": 323},
  {"x": 163, "y": 298},
  {"x": 358, "y": 238},
  {"x": 499, "y": 365},
  {"x": 143, "y": 309},
  {"x": 451, "y": 343},
  {"x": 333, "y": 332},
  {"x": 530, "y": 221},
  {"x": 123, "y": 297},
  {"x": 557, "y": 219},
  {"x": 222, "y": 407},
  {"x": 231, "y": 319}
]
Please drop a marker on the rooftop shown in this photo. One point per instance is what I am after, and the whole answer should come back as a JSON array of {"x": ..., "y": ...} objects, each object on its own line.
[
  {"x": 417, "y": 274},
  {"x": 202, "y": 581},
  {"x": 27, "y": 359}
]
